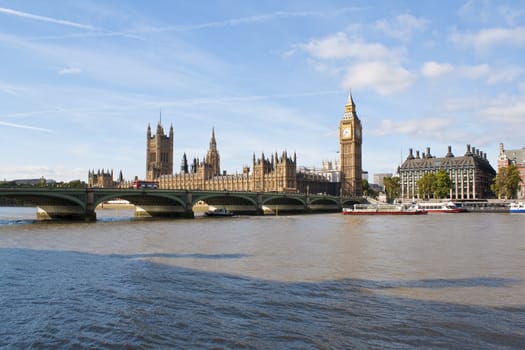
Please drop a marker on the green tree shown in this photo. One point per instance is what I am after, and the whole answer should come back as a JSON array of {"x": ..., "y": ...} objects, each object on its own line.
[
  {"x": 506, "y": 183},
  {"x": 367, "y": 190},
  {"x": 392, "y": 188},
  {"x": 442, "y": 184},
  {"x": 425, "y": 184},
  {"x": 73, "y": 184}
]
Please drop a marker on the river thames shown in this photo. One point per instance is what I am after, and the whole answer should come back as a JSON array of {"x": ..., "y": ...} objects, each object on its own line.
[{"x": 324, "y": 281}]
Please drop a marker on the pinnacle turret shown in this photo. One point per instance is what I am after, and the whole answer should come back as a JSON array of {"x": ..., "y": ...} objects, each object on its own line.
[
  {"x": 349, "y": 107},
  {"x": 213, "y": 143}
]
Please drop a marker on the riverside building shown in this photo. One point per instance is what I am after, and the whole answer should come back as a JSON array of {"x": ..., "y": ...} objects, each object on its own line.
[
  {"x": 275, "y": 173},
  {"x": 517, "y": 158},
  {"x": 471, "y": 174}
]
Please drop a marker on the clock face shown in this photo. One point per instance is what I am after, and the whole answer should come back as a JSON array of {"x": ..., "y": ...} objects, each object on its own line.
[{"x": 346, "y": 132}]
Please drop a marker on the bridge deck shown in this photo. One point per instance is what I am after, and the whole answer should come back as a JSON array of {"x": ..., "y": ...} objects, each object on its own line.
[{"x": 81, "y": 203}]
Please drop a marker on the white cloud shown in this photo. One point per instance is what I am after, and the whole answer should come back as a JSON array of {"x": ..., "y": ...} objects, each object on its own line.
[
  {"x": 475, "y": 10},
  {"x": 484, "y": 11},
  {"x": 492, "y": 37},
  {"x": 339, "y": 46},
  {"x": 69, "y": 70},
  {"x": 326, "y": 68},
  {"x": 59, "y": 173},
  {"x": 463, "y": 103},
  {"x": 505, "y": 75},
  {"x": 434, "y": 69},
  {"x": 504, "y": 108},
  {"x": 510, "y": 15},
  {"x": 10, "y": 89},
  {"x": 402, "y": 27},
  {"x": 474, "y": 72},
  {"x": 428, "y": 127},
  {"x": 46, "y": 19},
  {"x": 383, "y": 77}
]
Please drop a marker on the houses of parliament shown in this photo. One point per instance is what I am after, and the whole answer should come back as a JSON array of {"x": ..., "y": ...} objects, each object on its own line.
[{"x": 273, "y": 173}]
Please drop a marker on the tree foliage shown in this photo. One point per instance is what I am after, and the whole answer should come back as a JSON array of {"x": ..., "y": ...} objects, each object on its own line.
[
  {"x": 74, "y": 184},
  {"x": 506, "y": 183},
  {"x": 392, "y": 188},
  {"x": 367, "y": 190},
  {"x": 442, "y": 184},
  {"x": 424, "y": 185},
  {"x": 436, "y": 185}
]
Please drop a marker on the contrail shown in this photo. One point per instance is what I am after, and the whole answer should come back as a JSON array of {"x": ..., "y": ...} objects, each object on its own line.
[
  {"x": 20, "y": 126},
  {"x": 47, "y": 19}
]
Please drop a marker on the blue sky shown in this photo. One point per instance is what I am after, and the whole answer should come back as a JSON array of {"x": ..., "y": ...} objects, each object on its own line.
[{"x": 81, "y": 80}]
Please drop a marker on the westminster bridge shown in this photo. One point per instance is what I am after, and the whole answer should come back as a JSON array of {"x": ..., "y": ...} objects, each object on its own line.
[{"x": 81, "y": 203}]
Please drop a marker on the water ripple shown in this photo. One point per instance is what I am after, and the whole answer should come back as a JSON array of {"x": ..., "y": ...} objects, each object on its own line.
[{"x": 80, "y": 300}]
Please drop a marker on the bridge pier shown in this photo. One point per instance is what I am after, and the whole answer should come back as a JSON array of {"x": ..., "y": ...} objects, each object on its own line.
[
  {"x": 162, "y": 211},
  {"x": 65, "y": 212},
  {"x": 259, "y": 210}
]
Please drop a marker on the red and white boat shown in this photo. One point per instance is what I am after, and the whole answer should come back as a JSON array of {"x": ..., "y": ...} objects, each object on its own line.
[
  {"x": 440, "y": 207},
  {"x": 383, "y": 209}
]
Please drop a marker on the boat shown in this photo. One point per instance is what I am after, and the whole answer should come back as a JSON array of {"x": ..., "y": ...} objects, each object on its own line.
[
  {"x": 440, "y": 207},
  {"x": 220, "y": 212},
  {"x": 517, "y": 207},
  {"x": 383, "y": 209}
]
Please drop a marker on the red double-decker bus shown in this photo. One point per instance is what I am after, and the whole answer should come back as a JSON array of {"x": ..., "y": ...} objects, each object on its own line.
[{"x": 153, "y": 185}]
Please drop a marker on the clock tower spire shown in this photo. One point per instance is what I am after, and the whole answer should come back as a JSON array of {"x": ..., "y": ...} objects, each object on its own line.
[{"x": 350, "y": 140}]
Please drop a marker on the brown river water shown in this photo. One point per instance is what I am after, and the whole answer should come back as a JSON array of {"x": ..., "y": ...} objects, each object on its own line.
[{"x": 323, "y": 281}]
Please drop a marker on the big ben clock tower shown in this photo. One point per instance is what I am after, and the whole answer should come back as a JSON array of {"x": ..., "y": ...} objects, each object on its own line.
[{"x": 350, "y": 139}]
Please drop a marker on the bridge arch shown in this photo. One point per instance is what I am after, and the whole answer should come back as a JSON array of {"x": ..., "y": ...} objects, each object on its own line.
[
  {"x": 349, "y": 202},
  {"x": 149, "y": 203},
  {"x": 325, "y": 204},
  {"x": 237, "y": 202},
  {"x": 324, "y": 200},
  {"x": 284, "y": 204},
  {"x": 284, "y": 200},
  {"x": 139, "y": 198},
  {"x": 69, "y": 204},
  {"x": 44, "y": 197},
  {"x": 228, "y": 195}
]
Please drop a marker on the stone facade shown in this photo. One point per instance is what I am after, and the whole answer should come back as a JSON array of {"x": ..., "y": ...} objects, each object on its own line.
[
  {"x": 277, "y": 173},
  {"x": 471, "y": 174},
  {"x": 159, "y": 153},
  {"x": 516, "y": 157},
  {"x": 104, "y": 179},
  {"x": 350, "y": 140}
]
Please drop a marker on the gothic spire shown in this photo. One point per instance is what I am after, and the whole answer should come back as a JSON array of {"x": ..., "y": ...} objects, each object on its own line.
[
  {"x": 213, "y": 143},
  {"x": 350, "y": 105},
  {"x": 350, "y": 112}
]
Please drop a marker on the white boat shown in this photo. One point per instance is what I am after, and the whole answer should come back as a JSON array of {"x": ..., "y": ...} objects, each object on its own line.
[
  {"x": 218, "y": 212},
  {"x": 383, "y": 209},
  {"x": 440, "y": 207},
  {"x": 517, "y": 207}
]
